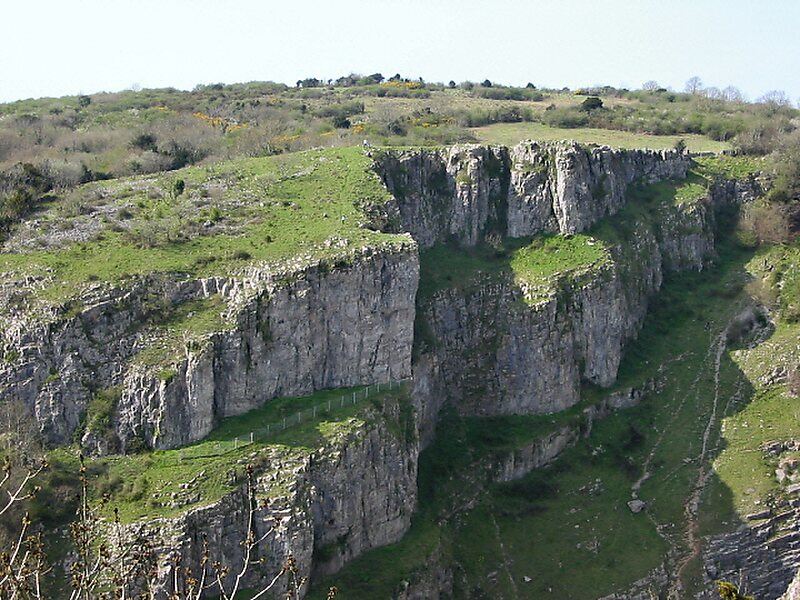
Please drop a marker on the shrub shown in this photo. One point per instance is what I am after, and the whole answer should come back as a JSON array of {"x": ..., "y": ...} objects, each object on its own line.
[
  {"x": 145, "y": 141},
  {"x": 565, "y": 117},
  {"x": 178, "y": 187},
  {"x": 591, "y": 103}
]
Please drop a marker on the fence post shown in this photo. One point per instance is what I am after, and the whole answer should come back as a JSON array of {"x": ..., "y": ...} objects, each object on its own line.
[
  {"x": 354, "y": 397},
  {"x": 251, "y": 437},
  {"x": 284, "y": 422},
  {"x": 329, "y": 404},
  {"x": 235, "y": 443},
  {"x": 315, "y": 413}
]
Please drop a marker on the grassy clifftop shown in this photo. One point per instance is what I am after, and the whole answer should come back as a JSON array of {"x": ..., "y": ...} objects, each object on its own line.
[{"x": 202, "y": 220}]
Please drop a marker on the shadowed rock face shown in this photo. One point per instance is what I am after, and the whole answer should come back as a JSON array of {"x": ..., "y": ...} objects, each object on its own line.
[
  {"x": 500, "y": 355},
  {"x": 465, "y": 192}
]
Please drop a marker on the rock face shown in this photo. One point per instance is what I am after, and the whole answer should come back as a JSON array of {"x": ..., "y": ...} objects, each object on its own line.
[
  {"x": 290, "y": 333},
  {"x": 764, "y": 555},
  {"x": 464, "y": 192},
  {"x": 521, "y": 461},
  {"x": 497, "y": 347},
  {"x": 566, "y": 188},
  {"x": 324, "y": 517},
  {"x": 500, "y": 354}
]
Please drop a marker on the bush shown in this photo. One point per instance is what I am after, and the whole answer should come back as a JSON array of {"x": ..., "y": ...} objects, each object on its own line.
[
  {"x": 178, "y": 187},
  {"x": 145, "y": 141},
  {"x": 498, "y": 93},
  {"x": 565, "y": 117},
  {"x": 591, "y": 103}
]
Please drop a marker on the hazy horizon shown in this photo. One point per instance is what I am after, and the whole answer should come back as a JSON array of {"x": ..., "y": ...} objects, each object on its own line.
[{"x": 67, "y": 48}]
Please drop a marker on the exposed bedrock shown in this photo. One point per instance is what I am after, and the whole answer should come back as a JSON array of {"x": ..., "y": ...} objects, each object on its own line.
[
  {"x": 335, "y": 503},
  {"x": 501, "y": 354},
  {"x": 465, "y": 192},
  {"x": 501, "y": 351},
  {"x": 289, "y": 333}
]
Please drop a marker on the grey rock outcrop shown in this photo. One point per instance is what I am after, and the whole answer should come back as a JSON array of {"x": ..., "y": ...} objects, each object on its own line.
[
  {"x": 467, "y": 191},
  {"x": 521, "y": 461},
  {"x": 291, "y": 332},
  {"x": 501, "y": 354},
  {"x": 452, "y": 193},
  {"x": 763, "y": 556},
  {"x": 565, "y": 188},
  {"x": 316, "y": 507}
]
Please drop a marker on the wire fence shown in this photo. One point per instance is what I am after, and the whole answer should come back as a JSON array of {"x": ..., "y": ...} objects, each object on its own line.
[{"x": 272, "y": 429}]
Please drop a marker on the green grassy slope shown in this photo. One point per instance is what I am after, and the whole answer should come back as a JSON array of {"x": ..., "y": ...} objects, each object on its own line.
[
  {"x": 510, "y": 134},
  {"x": 280, "y": 208}
]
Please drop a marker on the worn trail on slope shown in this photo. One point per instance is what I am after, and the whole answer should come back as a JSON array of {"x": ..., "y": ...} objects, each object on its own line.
[{"x": 704, "y": 472}]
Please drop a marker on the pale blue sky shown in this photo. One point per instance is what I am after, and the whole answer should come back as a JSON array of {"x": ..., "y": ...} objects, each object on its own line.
[{"x": 57, "y": 47}]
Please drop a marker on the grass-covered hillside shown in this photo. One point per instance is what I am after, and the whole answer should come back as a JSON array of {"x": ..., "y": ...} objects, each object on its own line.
[
  {"x": 50, "y": 145},
  {"x": 200, "y": 221}
]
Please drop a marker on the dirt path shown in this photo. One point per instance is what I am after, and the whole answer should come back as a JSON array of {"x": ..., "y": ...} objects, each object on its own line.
[
  {"x": 506, "y": 559},
  {"x": 691, "y": 536}
]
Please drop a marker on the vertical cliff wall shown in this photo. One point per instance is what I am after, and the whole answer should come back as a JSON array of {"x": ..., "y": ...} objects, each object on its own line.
[
  {"x": 323, "y": 507},
  {"x": 464, "y": 192},
  {"x": 284, "y": 332}
]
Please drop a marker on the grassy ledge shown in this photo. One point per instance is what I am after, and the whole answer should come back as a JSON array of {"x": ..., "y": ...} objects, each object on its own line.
[
  {"x": 166, "y": 483},
  {"x": 226, "y": 216},
  {"x": 537, "y": 264}
]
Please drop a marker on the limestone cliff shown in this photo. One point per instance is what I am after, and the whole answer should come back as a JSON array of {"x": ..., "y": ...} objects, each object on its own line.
[
  {"x": 501, "y": 353},
  {"x": 465, "y": 192},
  {"x": 284, "y": 332},
  {"x": 323, "y": 506}
]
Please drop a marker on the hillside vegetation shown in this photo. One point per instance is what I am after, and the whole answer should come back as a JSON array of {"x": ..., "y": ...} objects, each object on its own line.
[
  {"x": 48, "y": 146},
  {"x": 99, "y": 192}
]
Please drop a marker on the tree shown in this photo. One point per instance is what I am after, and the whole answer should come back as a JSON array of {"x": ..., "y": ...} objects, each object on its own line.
[
  {"x": 486, "y": 83},
  {"x": 84, "y": 101},
  {"x": 732, "y": 94},
  {"x": 309, "y": 82},
  {"x": 178, "y": 187},
  {"x": 146, "y": 142},
  {"x": 775, "y": 98},
  {"x": 650, "y": 86},
  {"x": 694, "y": 85},
  {"x": 451, "y": 84}
]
